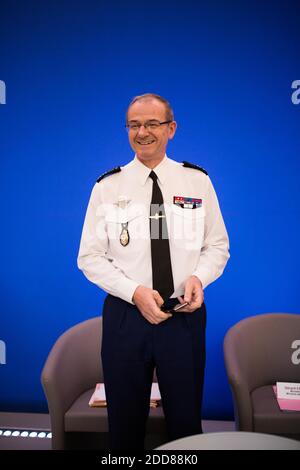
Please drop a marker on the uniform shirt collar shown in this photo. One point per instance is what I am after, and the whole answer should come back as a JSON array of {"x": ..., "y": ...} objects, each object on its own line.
[{"x": 144, "y": 172}]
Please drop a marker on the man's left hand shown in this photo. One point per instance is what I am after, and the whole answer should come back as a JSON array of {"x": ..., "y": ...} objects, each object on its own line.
[{"x": 193, "y": 293}]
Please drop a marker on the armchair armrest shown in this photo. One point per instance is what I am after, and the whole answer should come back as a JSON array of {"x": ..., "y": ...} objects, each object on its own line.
[{"x": 240, "y": 389}]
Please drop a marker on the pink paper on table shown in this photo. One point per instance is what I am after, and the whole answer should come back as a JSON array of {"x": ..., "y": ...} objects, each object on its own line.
[{"x": 286, "y": 404}]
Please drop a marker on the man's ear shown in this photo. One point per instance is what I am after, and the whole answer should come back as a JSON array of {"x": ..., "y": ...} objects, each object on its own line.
[{"x": 172, "y": 129}]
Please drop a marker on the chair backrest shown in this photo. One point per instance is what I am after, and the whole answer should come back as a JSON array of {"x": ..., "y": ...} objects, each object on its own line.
[{"x": 261, "y": 349}]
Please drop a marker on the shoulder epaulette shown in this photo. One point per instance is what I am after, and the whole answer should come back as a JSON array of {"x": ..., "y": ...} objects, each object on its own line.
[
  {"x": 108, "y": 173},
  {"x": 196, "y": 167}
]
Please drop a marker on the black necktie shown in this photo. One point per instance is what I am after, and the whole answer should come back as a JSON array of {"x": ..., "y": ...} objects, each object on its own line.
[{"x": 160, "y": 250}]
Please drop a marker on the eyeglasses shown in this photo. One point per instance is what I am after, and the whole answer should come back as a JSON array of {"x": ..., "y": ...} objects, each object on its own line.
[{"x": 149, "y": 125}]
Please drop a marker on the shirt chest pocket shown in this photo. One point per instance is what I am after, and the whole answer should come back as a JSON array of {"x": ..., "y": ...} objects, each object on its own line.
[
  {"x": 187, "y": 226},
  {"x": 131, "y": 220}
]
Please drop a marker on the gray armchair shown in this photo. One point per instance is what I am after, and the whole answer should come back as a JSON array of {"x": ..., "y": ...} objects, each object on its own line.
[
  {"x": 69, "y": 376},
  {"x": 260, "y": 351}
]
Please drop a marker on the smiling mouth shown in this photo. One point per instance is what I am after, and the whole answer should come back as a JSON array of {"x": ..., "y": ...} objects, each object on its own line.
[{"x": 145, "y": 143}]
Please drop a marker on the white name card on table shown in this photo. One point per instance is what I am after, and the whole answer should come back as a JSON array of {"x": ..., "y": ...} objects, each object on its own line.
[{"x": 288, "y": 390}]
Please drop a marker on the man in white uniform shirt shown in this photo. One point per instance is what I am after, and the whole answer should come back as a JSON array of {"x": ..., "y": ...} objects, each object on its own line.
[{"x": 153, "y": 238}]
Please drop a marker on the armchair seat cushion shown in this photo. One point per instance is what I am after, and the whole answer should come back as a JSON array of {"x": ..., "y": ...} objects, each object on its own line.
[
  {"x": 80, "y": 417},
  {"x": 269, "y": 418}
]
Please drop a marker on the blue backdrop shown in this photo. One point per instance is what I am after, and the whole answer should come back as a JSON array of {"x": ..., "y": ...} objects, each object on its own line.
[{"x": 70, "y": 69}]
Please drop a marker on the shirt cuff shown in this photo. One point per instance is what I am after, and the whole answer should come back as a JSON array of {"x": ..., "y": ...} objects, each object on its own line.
[
  {"x": 126, "y": 289},
  {"x": 203, "y": 275}
]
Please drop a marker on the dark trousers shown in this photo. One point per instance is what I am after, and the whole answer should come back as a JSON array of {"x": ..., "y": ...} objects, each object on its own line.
[{"x": 131, "y": 348}]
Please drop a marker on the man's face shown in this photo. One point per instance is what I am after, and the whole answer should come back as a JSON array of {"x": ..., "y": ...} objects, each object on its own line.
[{"x": 149, "y": 144}]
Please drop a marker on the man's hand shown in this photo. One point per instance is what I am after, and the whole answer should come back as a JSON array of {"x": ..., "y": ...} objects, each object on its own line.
[
  {"x": 148, "y": 302},
  {"x": 193, "y": 294}
]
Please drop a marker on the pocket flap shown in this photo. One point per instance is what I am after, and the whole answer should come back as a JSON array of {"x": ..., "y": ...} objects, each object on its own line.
[
  {"x": 121, "y": 216},
  {"x": 189, "y": 213}
]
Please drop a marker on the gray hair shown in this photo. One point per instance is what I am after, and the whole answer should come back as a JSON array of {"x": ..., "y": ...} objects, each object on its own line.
[{"x": 149, "y": 96}]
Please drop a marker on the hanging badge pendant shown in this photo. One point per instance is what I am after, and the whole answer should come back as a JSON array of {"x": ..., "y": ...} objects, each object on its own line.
[{"x": 124, "y": 237}]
